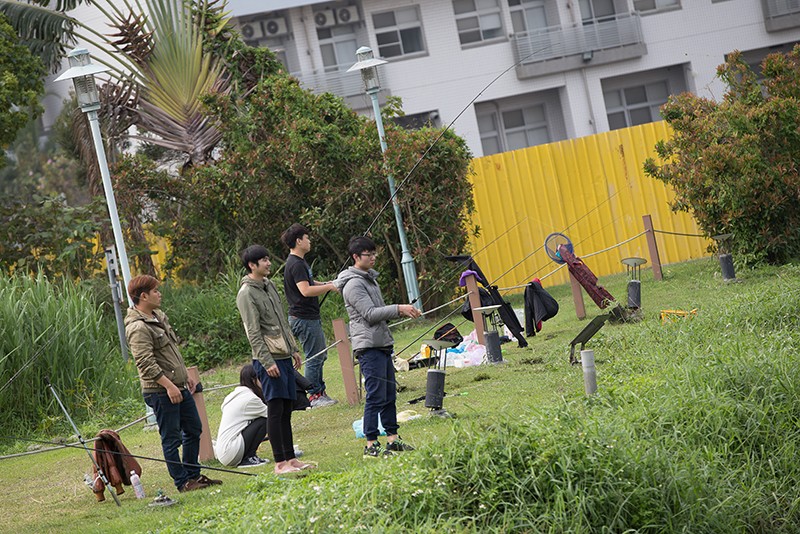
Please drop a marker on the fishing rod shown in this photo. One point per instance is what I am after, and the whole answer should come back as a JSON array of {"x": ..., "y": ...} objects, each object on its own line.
[
  {"x": 36, "y": 355},
  {"x": 128, "y": 455},
  {"x": 100, "y": 472},
  {"x": 454, "y": 269}
]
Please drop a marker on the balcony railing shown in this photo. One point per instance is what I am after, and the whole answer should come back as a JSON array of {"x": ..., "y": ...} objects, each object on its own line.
[
  {"x": 780, "y": 8},
  {"x": 556, "y": 42},
  {"x": 340, "y": 83}
]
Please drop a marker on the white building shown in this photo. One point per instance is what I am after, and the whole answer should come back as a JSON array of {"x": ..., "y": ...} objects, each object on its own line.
[{"x": 561, "y": 68}]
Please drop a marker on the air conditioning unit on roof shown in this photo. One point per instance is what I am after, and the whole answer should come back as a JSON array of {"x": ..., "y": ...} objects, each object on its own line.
[
  {"x": 324, "y": 18},
  {"x": 251, "y": 30},
  {"x": 347, "y": 15},
  {"x": 275, "y": 27}
]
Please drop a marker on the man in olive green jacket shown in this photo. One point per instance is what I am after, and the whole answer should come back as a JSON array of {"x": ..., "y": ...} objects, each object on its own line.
[
  {"x": 166, "y": 385},
  {"x": 275, "y": 353}
]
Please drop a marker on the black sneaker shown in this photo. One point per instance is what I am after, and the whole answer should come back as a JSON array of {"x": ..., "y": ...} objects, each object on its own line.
[
  {"x": 376, "y": 451},
  {"x": 253, "y": 461},
  {"x": 398, "y": 445}
]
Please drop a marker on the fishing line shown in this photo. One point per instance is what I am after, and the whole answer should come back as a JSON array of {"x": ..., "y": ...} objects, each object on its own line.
[
  {"x": 138, "y": 456},
  {"x": 564, "y": 230},
  {"x": 408, "y": 175},
  {"x": 454, "y": 269},
  {"x": 36, "y": 354},
  {"x": 445, "y": 130}
]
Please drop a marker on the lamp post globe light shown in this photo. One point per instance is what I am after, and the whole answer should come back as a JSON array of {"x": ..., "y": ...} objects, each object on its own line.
[
  {"x": 81, "y": 71},
  {"x": 368, "y": 65}
]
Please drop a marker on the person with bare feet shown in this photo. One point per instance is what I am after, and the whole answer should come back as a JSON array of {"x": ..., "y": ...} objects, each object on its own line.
[{"x": 275, "y": 354}]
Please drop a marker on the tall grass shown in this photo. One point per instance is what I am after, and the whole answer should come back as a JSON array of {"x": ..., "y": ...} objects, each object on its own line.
[
  {"x": 695, "y": 429},
  {"x": 56, "y": 330}
]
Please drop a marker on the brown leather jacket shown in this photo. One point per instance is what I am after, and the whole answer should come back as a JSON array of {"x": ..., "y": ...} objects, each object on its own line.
[{"x": 116, "y": 467}]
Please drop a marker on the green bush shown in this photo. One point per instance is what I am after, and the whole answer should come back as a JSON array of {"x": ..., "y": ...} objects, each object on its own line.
[{"x": 733, "y": 163}]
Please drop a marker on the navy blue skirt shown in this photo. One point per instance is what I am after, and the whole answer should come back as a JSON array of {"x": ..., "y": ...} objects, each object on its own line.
[{"x": 282, "y": 387}]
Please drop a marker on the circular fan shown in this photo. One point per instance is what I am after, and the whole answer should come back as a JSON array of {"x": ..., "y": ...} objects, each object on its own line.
[{"x": 551, "y": 244}]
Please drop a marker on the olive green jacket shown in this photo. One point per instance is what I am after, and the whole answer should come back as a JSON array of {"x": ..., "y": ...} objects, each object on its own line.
[
  {"x": 154, "y": 346},
  {"x": 265, "y": 321}
]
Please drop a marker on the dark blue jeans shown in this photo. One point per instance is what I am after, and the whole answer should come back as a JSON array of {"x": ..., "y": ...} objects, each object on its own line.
[
  {"x": 309, "y": 333},
  {"x": 179, "y": 424},
  {"x": 379, "y": 383}
]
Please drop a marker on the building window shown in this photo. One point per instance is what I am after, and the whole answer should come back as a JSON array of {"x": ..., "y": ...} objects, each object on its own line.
[
  {"x": 338, "y": 47},
  {"x": 477, "y": 20},
  {"x": 490, "y": 134},
  {"x": 527, "y": 15},
  {"x": 398, "y": 32},
  {"x": 597, "y": 11},
  {"x": 635, "y": 105},
  {"x": 655, "y": 5},
  {"x": 513, "y": 129}
]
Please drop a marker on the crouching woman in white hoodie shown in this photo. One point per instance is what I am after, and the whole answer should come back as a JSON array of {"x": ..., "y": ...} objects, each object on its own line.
[{"x": 244, "y": 423}]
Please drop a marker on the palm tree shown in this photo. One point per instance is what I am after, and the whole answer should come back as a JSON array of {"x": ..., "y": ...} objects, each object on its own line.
[
  {"x": 158, "y": 71},
  {"x": 159, "y": 68}
]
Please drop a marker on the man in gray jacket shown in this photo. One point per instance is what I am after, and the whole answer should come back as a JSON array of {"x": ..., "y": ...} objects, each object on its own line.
[{"x": 373, "y": 344}]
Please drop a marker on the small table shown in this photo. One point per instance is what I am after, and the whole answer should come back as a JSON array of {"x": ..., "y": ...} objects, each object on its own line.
[
  {"x": 439, "y": 348},
  {"x": 634, "y": 267},
  {"x": 494, "y": 353},
  {"x": 490, "y": 313}
]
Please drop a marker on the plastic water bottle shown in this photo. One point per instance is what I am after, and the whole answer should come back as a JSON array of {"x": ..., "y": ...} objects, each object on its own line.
[{"x": 136, "y": 482}]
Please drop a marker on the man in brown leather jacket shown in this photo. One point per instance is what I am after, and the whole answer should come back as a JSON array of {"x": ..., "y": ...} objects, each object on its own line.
[{"x": 166, "y": 385}]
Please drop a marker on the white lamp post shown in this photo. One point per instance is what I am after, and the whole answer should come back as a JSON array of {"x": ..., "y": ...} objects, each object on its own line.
[
  {"x": 81, "y": 71},
  {"x": 368, "y": 64}
]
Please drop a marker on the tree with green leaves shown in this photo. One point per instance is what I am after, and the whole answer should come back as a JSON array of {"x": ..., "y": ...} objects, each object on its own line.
[
  {"x": 734, "y": 164},
  {"x": 159, "y": 65},
  {"x": 289, "y": 155},
  {"x": 21, "y": 85}
]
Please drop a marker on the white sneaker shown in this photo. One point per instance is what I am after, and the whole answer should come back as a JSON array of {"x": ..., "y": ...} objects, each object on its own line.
[{"x": 321, "y": 400}]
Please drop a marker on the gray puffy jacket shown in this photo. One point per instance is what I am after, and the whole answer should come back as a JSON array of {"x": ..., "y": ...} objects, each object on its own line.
[{"x": 366, "y": 308}]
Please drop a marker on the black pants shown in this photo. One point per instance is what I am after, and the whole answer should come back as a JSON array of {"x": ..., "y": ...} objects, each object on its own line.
[
  {"x": 253, "y": 435},
  {"x": 279, "y": 424}
]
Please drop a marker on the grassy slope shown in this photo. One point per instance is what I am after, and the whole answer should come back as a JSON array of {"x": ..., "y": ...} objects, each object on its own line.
[{"x": 49, "y": 496}]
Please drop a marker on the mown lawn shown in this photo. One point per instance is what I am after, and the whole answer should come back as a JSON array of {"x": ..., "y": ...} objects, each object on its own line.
[{"x": 693, "y": 429}]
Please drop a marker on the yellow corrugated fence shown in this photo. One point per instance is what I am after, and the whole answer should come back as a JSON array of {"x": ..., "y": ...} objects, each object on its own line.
[{"x": 592, "y": 189}]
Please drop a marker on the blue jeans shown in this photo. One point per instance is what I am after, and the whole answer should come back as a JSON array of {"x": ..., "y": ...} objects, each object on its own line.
[
  {"x": 309, "y": 333},
  {"x": 379, "y": 383},
  {"x": 179, "y": 424}
]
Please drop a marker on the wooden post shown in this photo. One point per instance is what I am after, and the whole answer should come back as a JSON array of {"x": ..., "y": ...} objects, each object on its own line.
[
  {"x": 651, "y": 244},
  {"x": 351, "y": 389},
  {"x": 206, "y": 448},
  {"x": 577, "y": 297},
  {"x": 475, "y": 303}
]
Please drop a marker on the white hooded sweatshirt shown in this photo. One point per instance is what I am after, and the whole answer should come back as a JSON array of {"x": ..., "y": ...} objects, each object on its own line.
[{"x": 239, "y": 408}]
